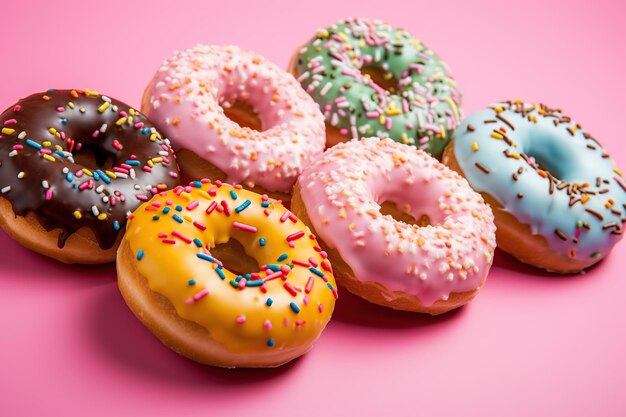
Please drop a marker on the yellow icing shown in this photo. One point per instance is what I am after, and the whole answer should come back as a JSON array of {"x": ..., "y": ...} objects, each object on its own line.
[{"x": 169, "y": 267}]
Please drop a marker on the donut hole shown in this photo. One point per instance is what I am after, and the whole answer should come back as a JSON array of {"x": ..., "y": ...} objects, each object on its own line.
[
  {"x": 548, "y": 160},
  {"x": 89, "y": 158},
  {"x": 243, "y": 114},
  {"x": 545, "y": 165},
  {"x": 389, "y": 208},
  {"x": 384, "y": 79},
  {"x": 234, "y": 258}
]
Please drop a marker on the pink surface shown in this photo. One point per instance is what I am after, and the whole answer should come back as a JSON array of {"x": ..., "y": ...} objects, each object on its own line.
[{"x": 530, "y": 344}]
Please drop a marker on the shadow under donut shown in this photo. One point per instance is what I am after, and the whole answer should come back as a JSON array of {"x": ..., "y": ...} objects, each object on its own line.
[
  {"x": 356, "y": 311},
  {"x": 125, "y": 342}
]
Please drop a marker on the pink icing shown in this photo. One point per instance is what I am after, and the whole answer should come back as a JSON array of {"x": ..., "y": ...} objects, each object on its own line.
[
  {"x": 186, "y": 99},
  {"x": 343, "y": 190}
]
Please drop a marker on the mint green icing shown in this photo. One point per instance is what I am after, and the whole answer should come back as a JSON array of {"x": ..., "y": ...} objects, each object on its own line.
[{"x": 423, "y": 111}]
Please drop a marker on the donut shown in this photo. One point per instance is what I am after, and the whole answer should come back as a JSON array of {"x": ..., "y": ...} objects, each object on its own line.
[
  {"x": 400, "y": 228},
  {"x": 206, "y": 99},
  {"x": 371, "y": 79},
  {"x": 557, "y": 196},
  {"x": 73, "y": 164},
  {"x": 184, "y": 270}
]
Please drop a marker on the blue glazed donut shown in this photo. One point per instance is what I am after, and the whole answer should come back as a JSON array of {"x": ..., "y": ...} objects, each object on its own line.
[{"x": 558, "y": 198}]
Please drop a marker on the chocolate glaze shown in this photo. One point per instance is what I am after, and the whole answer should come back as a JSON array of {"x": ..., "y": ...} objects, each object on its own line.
[{"x": 59, "y": 191}]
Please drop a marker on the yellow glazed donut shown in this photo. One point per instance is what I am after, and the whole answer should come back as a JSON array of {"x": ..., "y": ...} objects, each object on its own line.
[{"x": 176, "y": 270}]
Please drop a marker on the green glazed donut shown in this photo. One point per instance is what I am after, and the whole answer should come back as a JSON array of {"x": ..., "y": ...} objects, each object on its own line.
[{"x": 345, "y": 68}]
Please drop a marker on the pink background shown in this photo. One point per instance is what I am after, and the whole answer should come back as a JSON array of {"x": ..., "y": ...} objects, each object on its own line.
[{"x": 530, "y": 344}]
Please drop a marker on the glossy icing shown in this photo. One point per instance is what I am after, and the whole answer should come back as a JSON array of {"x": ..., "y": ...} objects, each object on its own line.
[
  {"x": 424, "y": 110},
  {"x": 549, "y": 173},
  {"x": 186, "y": 99},
  {"x": 42, "y": 140},
  {"x": 343, "y": 191},
  {"x": 285, "y": 304}
]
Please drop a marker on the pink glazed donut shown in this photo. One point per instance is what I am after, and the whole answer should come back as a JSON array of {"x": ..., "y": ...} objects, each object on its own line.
[
  {"x": 401, "y": 229},
  {"x": 235, "y": 117}
]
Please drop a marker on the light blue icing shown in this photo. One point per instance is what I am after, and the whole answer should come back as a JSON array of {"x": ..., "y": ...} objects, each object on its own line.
[{"x": 563, "y": 150}]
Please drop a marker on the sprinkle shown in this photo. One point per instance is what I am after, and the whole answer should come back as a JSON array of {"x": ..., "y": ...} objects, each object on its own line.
[
  {"x": 620, "y": 182},
  {"x": 116, "y": 225},
  {"x": 104, "y": 177},
  {"x": 282, "y": 257},
  {"x": 226, "y": 208},
  {"x": 140, "y": 254},
  {"x": 77, "y": 215},
  {"x": 205, "y": 257},
  {"x": 192, "y": 205},
  {"x": 244, "y": 227},
  {"x": 300, "y": 263},
  {"x": 182, "y": 237},
  {"x": 560, "y": 234},
  {"x": 475, "y": 146},
  {"x": 219, "y": 272},
  {"x": 270, "y": 342},
  {"x": 294, "y": 307},
  {"x": 200, "y": 295},
  {"x": 269, "y": 302},
  {"x": 33, "y": 144},
  {"x": 199, "y": 225},
  {"x": 595, "y": 214},
  {"x": 177, "y": 218},
  {"x": 482, "y": 167},
  {"x": 262, "y": 241},
  {"x": 309, "y": 285},
  {"x": 241, "y": 319},
  {"x": 295, "y": 236},
  {"x": 103, "y": 106},
  {"x": 290, "y": 289},
  {"x": 243, "y": 206},
  {"x": 334, "y": 290},
  {"x": 233, "y": 194},
  {"x": 211, "y": 207},
  {"x": 509, "y": 124},
  {"x": 317, "y": 272}
]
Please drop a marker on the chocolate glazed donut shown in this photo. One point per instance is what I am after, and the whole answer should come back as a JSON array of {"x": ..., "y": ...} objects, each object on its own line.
[{"x": 77, "y": 162}]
